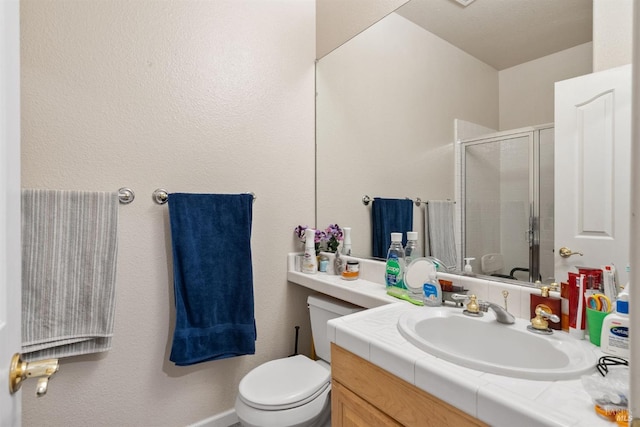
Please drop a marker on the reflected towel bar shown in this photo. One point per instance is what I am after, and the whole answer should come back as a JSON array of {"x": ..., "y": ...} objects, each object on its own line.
[
  {"x": 161, "y": 196},
  {"x": 418, "y": 201}
]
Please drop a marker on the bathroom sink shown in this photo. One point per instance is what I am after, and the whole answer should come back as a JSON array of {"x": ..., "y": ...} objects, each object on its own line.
[{"x": 483, "y": 344}]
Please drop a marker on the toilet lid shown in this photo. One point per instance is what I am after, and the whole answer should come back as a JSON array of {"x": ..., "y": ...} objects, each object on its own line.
[{"x": 284, "y": 383}]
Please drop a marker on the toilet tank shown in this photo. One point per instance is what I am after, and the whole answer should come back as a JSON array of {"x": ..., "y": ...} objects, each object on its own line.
[{"x": 323, "y": 308}]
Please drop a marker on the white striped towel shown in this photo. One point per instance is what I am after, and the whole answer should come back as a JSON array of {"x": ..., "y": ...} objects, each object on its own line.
[
  {"x": 439, "y": 232},
  {"x": 69, "y": 248}
]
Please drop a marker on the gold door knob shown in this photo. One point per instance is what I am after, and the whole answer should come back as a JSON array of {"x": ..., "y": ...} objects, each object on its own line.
[
  {"x": 566, "y": 252},
  {"x": 21, "y": 371}
]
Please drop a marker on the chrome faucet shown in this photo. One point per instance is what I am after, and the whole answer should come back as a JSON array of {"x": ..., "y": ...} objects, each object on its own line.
[
  {"x": 475, "y": 309},
  {"x": 502, "y": 315}
]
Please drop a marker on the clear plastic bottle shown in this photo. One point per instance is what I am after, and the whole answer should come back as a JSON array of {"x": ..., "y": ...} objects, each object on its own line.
[
  {"x": 412, "y": 248},
  {"x": 394, "y": 271}
]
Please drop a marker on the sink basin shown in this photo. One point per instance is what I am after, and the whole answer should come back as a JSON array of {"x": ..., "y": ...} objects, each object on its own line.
[{"x": 483, "y": 344}]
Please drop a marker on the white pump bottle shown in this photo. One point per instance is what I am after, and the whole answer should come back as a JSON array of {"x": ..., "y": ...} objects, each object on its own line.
[
  {"x": 346, "y": 243},
  {"x": 467, "y": 265},
  {"x": 310, "y": 261}
]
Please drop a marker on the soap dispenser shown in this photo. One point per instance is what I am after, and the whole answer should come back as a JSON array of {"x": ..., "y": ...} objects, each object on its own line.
[
  {"x": 467, "y": 265},
  {"x": 346, "y": 242},
  {"x": 553, "y": 304},
  {"x": 310, "y": 261}
]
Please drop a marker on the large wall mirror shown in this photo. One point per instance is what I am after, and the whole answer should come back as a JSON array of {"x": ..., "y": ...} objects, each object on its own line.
[{"x": 392, "y": 101}]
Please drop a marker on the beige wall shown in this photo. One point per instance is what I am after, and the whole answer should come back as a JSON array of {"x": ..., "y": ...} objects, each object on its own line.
[
  {"x": 193, "y": 96},
  {"x": 386, "y": 106},
  {"x": 527, "y": 90},
  {"x": 337, "y": 21},
  {"x": 612, "y": 33}
]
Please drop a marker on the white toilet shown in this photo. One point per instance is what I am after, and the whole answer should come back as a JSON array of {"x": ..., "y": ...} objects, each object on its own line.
[{"x": 294, "y": 391}]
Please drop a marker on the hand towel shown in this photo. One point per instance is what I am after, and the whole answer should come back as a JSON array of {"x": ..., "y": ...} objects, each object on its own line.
[
  {"x": 69, "y": 249},
  {"x": 389, "y": 216},
  {"x": 212, "y": 276},
  {"x": 439, "y": 232}
]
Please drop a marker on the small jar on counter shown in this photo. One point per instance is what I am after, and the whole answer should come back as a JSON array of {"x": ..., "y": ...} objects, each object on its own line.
[
  {"x": 351, "y": 270},
  {"x": 323, "y": 263}
]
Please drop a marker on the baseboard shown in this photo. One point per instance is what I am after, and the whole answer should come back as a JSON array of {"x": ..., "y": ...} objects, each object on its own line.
[{"x": 223, "y": 419}]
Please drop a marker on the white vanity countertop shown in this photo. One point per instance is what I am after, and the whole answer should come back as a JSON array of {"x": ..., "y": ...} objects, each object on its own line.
[{"x": 497, "y": 400}]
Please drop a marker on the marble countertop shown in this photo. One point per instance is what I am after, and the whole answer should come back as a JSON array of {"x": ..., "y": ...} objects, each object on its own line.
[{"x": 497, "y": 400}]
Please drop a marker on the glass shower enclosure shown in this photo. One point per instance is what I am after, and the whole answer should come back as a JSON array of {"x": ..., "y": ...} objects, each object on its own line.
[{"x": 507, "y": 203}]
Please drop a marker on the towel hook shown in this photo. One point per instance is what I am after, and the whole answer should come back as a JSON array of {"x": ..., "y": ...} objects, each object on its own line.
[{"x": 126, "y": 195}]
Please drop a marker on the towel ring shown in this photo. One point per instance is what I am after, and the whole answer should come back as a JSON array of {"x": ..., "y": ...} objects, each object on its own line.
[
  {"x": 161, "y": 196},
  {"x": 126, "y": 195}
]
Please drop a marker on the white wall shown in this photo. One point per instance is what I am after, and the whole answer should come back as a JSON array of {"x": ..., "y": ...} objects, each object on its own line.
[
  {"x": 612, "y": 33},
  {"x": 339, "y": 21},
  {"x": 527, "y": 90},
  {"x": 193, "y": 96},
  {"x": 396, "y": 90}
]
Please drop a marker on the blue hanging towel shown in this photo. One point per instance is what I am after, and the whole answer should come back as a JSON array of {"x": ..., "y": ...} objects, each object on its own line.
[
  {"x": 212, "y": 277},
  {"x": 389, "y": 216}
]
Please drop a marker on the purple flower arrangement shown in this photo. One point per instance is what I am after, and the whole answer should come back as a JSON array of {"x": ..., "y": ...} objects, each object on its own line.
[{"x": 329, "y": 239}]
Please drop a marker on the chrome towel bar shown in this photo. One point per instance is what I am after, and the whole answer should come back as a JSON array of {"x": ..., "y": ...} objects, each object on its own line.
[{"x": 161, "y": 196}]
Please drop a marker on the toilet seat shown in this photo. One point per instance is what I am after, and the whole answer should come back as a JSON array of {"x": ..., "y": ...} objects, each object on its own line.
[{"x": 284, "y": 383}]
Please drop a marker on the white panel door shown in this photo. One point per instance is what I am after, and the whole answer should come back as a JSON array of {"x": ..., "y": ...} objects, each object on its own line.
[
  {"x": 592, "y": 171},
  {"x": 10, "y": 265}
]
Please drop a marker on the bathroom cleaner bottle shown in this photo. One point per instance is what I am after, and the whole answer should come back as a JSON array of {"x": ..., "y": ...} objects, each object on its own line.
[
  {"x": 394, "y": 271},
  {"x": 614, "y": 338},
  {"x": 346, "y": 241},
  {"x": 310, "y": 261},
  {"x": 554, "y": 304},
  {"x": 412, "y": 248}
]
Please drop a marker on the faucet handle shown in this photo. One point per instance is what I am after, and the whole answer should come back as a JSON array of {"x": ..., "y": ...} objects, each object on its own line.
[
  {"x": 472, "y": 306},
  {"x": 460, "y": 297},
  {"x": 543, "y": 315}
]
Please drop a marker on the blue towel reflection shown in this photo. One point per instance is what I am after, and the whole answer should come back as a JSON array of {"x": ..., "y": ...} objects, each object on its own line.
[{"x": 389, "y": 216}]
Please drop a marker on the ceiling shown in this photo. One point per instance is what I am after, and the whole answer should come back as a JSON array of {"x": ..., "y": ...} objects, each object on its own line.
[{"x": 504, "y": 33}]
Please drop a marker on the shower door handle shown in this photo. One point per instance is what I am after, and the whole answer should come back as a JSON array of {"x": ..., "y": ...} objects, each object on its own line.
[
  {"x": 566, "y": 252},
  {"x": 528, "y": 236}
]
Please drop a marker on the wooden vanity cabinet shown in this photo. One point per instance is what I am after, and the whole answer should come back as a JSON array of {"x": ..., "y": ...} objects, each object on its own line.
[{"x": 364, "y": 395}]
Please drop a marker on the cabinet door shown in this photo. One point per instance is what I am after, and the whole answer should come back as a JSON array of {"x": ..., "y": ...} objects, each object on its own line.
[
  {"x": 592, "y": 170},
  {"x": 349, "y": 410}
]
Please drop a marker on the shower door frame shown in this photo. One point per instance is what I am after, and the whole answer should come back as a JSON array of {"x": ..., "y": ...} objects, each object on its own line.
[{"x": 533, "y": 135}]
